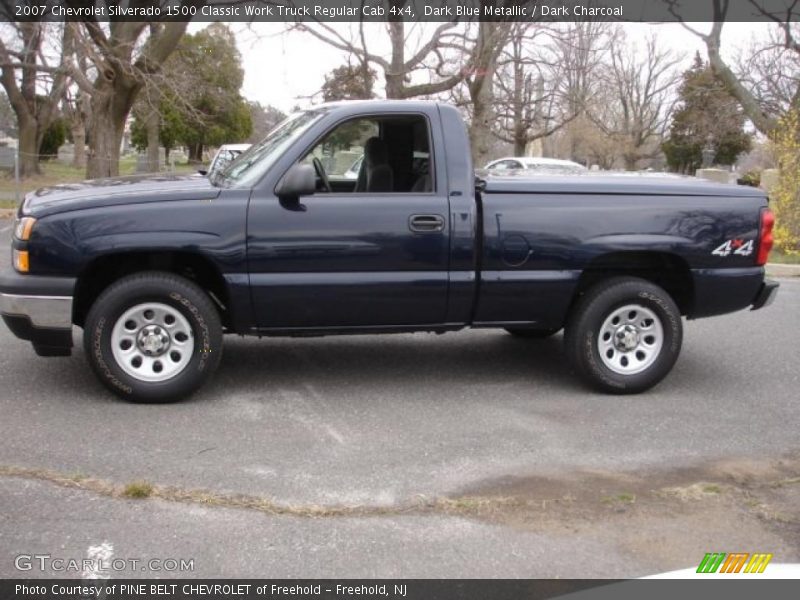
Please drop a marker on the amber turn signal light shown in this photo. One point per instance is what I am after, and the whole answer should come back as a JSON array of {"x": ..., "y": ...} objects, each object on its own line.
[{"x": 21, "y": 261}]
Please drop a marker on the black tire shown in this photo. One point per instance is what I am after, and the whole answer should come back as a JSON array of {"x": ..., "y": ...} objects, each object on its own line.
[
  {"x": 537, "y": 334},
  {"x": 596, "y": 309},
  {"x": 176, "y": 292}
]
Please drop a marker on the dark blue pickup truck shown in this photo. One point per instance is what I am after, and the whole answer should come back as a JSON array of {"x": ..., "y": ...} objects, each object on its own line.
[{"x": 156, "y": 269}]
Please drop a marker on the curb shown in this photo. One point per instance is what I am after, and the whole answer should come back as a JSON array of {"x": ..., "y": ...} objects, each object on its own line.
[{"x": 781, "y": 270}]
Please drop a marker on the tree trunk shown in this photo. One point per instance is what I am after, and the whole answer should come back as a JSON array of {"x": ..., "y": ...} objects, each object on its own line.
[
  {"x": 630, "y": 162},
  {"x": 518, "y": 100},
  {"x": 104, "y": 157},
  {"x": 28, "y": 148},
  {"x": 548, "y": 146},
  {"x": 78, "y": 130},
  {"x": 195, "y": 153},
  {"x": 480, "y": 129},
  {"x": 482, "y": 93},
  {"x": 520, "y": 133},
  {"x": 111, "y": 103},
  {"x": 749, "y": 103},
  {"x": 153, "y": 141},
  {"x": 395, "y": 78}
]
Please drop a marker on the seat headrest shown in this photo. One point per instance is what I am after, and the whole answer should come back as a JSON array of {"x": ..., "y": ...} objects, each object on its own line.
[{"x": 375, "y": 152}]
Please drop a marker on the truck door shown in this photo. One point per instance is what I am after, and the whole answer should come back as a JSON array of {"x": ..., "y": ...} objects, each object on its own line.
[{"x": 370, "y": 248}]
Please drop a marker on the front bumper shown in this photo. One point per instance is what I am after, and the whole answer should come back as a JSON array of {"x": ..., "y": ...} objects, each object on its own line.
[
  {"x": 766, "y": 295},
  {"x": 39, "y": 309}
]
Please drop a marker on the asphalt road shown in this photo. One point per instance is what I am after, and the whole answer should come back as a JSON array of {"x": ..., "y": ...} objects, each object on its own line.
[{"x": 381, "y": 422}]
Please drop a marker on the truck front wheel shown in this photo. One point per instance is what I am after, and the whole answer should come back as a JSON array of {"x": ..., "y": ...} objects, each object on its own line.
[
  {"x": 624, "y": 335},
  {"x": 153, "y": 337}
]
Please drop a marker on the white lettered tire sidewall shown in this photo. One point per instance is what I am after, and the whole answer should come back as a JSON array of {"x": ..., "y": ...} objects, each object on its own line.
[
  {"x": 158, "y": 287},
  {"x": 586, "y": 319}
]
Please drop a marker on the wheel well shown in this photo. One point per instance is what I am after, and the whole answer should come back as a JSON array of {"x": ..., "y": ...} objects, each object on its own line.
[
  {"x": 666, "y": 270},
  {"x": 105, "y": 270}
]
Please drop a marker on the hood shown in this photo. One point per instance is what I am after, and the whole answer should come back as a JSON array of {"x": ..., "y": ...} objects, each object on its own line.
[{"x": 114, "y": 191}]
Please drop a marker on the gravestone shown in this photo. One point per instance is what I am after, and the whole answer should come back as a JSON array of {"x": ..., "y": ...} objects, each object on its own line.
[{"x": 717, "y": 175}]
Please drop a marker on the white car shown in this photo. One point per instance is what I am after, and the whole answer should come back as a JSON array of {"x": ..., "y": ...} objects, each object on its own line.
[
  {"x": 224, "y": 156},
  {"x": 352, "y": 172},
  {"x": 420, "y": 162},
  {"x": 535, "y": 164}
]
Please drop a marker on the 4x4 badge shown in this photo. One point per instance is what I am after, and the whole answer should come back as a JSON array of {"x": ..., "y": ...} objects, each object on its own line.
[{"x": 734, "y": 246}]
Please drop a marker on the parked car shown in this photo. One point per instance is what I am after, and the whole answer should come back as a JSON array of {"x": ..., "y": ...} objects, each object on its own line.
[
  {"x": 352, "y": 172},
  {"x": 155, "y": 269},
  {"x": 226, "y": 154},
  {"x": 534, "y": 164},
  {"x": 420, "y": 158}
]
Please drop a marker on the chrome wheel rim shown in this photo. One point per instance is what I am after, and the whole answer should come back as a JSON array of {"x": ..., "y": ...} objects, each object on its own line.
[
  {"x": 630, "y": 339},
  {"x": 152, "y": 342}
]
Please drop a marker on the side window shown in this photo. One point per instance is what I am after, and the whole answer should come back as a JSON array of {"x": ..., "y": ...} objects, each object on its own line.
[
  {"x": 376, "y": 154},
  {"x": 505, "y": 165}
]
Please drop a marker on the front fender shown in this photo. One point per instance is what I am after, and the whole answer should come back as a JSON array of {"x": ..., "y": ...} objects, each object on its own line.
[{"x": 65, "y": 243}]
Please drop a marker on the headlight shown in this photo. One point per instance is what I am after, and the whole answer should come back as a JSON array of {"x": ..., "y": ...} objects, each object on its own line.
[{"x": 23, "y": 228}]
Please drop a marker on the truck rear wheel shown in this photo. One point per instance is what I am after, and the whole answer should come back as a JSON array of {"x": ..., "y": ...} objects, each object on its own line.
[
  {"x": 153, "y": 337},
  {"x": 624, "y": 335}
]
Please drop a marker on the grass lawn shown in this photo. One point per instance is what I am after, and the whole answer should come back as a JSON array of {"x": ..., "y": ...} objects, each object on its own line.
[
  {"x": 783, "y": 259},
  {"x": 55, "y": 172}
]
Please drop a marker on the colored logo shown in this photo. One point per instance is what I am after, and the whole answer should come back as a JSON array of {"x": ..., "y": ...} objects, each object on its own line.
[{"x": 739, "y": 562}]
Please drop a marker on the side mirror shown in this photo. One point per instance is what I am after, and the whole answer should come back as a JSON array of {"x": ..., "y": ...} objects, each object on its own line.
[
  {"x": 300, "y": 180},
  {"x": 222, "y": 162}
]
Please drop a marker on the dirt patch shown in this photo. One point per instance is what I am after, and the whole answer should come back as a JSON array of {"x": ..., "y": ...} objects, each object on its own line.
[
  {"x": 733, "y": 505},
  {"x": 663, "y": 519}
]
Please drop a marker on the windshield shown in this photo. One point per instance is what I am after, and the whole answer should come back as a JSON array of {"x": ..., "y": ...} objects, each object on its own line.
[{"x": 248, "y": 168}]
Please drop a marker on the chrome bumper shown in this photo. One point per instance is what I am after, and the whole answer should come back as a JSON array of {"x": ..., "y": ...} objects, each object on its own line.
[{"x": 52, "y": 312}]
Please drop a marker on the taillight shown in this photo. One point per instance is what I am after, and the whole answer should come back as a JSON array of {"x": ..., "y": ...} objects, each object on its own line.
[{"x": 765, "y": 239}]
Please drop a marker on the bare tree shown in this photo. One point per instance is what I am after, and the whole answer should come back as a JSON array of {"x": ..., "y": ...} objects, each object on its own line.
[
  {"x": 771, "y": 72},
  {"x": 415, "y": 48},
  {"x": 480, "y": 80},
  {"x": 545, "y": 78},
  {"x": 123, "y": 56},
  {"x": 76, "y": 106},
  {"x": 151, "y": 116},
  {"x": 426, "y": 59},
  {"x": 786, "y": 21},
  {"x": 170, "y": 84},
  {"x": 349, "y": 82},
  {"x": 635, "y": 106},
  {"x": 581, "y": 51},
  {"x": 34, "y": 86}
]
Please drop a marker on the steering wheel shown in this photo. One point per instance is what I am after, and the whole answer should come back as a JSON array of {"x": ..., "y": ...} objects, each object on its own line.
[{"x": 322, "y": 174}]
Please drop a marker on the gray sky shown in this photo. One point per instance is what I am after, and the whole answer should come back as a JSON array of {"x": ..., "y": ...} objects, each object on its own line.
[{"x": 281, "y": 68}]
